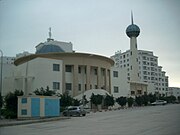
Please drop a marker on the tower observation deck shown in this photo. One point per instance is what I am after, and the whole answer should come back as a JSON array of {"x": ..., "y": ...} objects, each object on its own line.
[{"x": 132, "y": 30}]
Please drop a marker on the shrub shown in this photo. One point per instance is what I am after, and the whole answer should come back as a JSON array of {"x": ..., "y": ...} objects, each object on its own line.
[
  {"x": 121, "y": 101},
  {"x": 11, "y": 102},
  {"x": 130, "y": 101}
]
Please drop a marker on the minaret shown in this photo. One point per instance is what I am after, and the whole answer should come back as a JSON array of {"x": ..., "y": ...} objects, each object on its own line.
[{"x": 132, "y": 32}]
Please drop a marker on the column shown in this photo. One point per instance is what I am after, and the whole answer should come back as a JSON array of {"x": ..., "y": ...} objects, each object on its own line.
[
  {"x": 99, "y": 77},
  {"x": 75, "y": 80},
  {"x": 109, "y": 74},
  {"x": 88, "y": 70},
  {"x": 105, "y": 79}
]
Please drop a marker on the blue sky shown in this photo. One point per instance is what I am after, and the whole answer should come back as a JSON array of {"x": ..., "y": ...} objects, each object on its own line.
[{"x": 94, "y": 26}]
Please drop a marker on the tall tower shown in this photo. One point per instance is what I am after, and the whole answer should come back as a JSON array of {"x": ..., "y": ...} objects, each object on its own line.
[{"x": 132, "y": 32}]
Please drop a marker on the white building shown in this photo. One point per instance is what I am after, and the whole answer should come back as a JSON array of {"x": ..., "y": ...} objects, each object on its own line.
[
  {"x": 7, "y": 70},
  {"x": 149, "y": 70},
  {"x": 126, "y": 79},
  {"x": 175, "y": 91},
  {"x": 56, "y": 65}
]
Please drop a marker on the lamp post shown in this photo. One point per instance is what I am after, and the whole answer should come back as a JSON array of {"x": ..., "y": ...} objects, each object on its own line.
[
  {"x": 1, "y": 69},
  {"x": 1, "y": 76}
]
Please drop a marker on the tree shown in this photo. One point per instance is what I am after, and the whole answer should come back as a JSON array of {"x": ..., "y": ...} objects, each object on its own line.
[
  {"x": 109, "y": 100},
  {"x": 130, "y": 101},
  {"x": 178, "y": 98},
  {"x": 121, "y": 101},
  {"x": 75, "y": 102},
  {"x": 1, "y": 104},
  {"x": 139, "y": 100},
  {"x": 66, "y": 100},
  {"x": 170, "y": 99},
  {"x": 1, "y": 101},
  {"x": 84, "y": 100},
  {"x": 11, "y": 102},
  {"x": 152, "y": 98},
  {"x": 145, "y": 99},
  {"x": 96, "y": 99},
  {"x": 44, "y": 92}
]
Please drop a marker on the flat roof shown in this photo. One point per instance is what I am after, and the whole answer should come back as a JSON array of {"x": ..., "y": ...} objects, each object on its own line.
[{"x": 24, "y": 59}]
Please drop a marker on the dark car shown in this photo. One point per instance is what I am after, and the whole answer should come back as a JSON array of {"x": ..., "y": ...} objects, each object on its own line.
[{"x": 74, "y": 111}]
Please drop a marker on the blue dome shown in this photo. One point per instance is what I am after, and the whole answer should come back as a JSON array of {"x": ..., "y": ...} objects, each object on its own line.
[
  {"x": 132, "y": 30},
  {"x": 50, "y": 49}
]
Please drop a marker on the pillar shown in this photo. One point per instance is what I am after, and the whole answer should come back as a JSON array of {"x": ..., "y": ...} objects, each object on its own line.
[
  {"x": 75, "y": 80},
  {"x": 88, "y": 70}
]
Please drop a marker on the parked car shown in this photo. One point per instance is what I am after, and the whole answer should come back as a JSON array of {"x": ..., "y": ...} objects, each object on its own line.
[
  {"x": 86, "y": 108},
  {"x": 159, "y": 102},
  {"x": 74, "y": 111}
]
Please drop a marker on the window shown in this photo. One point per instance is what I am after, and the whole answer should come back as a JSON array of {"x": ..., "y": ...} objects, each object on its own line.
[
  {"x": 24, "y": 100},
  {"x": 116, "y": 89},
  {"x": 68, "y": 86},
  {"x": 56, "y": 67},
  {"x": 132, "y": 92},
  {"x": 68, "y": 68},
  {"x": 95, "y": 71},
  {"x": 95, "y": 86},
  {"x": 115, "y": 73},
  {"x": 56, "y": 85},
  {"x": 23, "y": 112},
  {"x": 79, "y": 69},
  {"x": 85, "y": 86},
  {"x": 139, "y": 91},
  {"x": 79, "y": 87}
]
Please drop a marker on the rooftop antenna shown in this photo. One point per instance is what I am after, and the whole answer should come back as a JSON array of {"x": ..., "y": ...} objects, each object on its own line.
[
  {"x": 132, "y": 17},
  {"x": 50, "y": 34}
]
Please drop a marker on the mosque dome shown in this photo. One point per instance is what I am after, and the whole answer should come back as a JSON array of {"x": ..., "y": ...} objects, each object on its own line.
[
  {"x": 50, "y": 48},
  {"x": 132, "y": 30}
]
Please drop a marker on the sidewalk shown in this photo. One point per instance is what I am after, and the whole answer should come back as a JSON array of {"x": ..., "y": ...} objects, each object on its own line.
[{"x": 11, "y": 122}]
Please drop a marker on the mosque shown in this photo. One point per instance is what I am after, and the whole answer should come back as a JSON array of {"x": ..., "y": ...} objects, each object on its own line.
[{"x": 55, "y": 64}]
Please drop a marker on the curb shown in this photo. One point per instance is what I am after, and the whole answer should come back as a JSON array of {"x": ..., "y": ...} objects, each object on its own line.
[{"x": 15, "y": 123}]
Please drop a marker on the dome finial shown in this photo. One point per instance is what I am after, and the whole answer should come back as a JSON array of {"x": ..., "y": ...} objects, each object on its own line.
[
  {"x": 132, "y": 17},
  {"x": 50, "y": 35},
  {"x": 50, "y": 32}
]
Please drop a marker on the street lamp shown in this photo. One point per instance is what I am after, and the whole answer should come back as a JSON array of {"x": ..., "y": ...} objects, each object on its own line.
[
  {"x": 1, "y": 76},
  {"x": 1, "y": 70}
]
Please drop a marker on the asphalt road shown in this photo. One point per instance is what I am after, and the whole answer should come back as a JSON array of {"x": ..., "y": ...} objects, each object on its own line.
[{"x": 153, "y": 120}]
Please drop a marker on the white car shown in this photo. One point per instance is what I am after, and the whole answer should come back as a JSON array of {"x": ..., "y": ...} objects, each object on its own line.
[{"x": 159, "y": 102}]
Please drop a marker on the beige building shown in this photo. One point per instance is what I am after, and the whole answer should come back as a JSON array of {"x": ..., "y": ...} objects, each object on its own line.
[{"x": 63, "y": 72}]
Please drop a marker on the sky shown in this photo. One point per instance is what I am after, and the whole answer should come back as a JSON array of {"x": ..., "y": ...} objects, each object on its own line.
[{"x": 94, "y": 26}]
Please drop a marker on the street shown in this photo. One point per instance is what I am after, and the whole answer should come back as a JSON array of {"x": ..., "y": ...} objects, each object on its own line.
[{"x": 151, "y": 120}]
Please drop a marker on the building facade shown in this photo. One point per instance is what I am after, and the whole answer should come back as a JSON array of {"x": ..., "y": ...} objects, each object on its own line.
[
  {"x": 175, "y": 91},
  {"x": 149, "y": 70},
  {"x": 128, "y": 82},
  {"x": 62, "y": 72}
]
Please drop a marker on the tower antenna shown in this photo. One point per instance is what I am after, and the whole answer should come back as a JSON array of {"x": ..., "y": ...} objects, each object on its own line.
[{"x": 132, "y": 17}]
